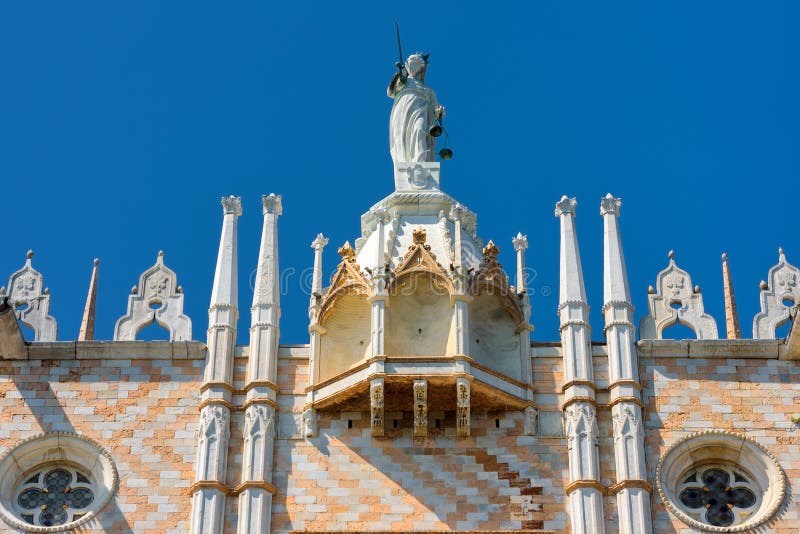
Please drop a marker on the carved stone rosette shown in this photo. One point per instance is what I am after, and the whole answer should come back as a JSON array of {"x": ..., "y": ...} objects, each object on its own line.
[
  {"x": 420, "y": 408},
  {"x": 462, "y": 407},
  {"x": 376, "y": 407}
]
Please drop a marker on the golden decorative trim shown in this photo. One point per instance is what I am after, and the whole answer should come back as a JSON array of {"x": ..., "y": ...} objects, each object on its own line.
[
  {"x": 634, "y": 400},
  {"x": 261, "y": 400},
  {"x": 255, "y": 484},
  {"x": 209, "y": 484},
  {"x": 577, "y": 484},
  {"x": 625, "y": 484},
  {"x": 260, "y": 383},
  {"x": 223, "y": 385},
  {"x": 223, "y": 402},
  {"x": 571, "y": 383},
  {"x": 501, "y": 376},
  {"x": 625, "y": 382},
  {"x": 573, "y": 400},
  {"x": 324, "y": 383}
]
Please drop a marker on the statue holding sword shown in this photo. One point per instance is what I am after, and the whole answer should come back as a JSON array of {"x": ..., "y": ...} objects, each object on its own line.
[{"x": 416, "y": 115}]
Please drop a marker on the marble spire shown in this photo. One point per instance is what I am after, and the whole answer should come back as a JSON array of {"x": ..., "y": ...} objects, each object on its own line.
[{"x": 86, "y": 333}]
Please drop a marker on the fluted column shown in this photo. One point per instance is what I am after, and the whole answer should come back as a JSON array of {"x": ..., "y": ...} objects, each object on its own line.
[
  {"x": 315, "y": 330},
  {"x": 632, "y": 488},
  {"x": 379, "y": 296},
  {"x": 580, "y": 421},
  {"x": 208, "y": 491},
  {"x": 256, "y": 490}
]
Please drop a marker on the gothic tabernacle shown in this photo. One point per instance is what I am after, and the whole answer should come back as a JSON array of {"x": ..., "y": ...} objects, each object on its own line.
[{"x": 421, "y": 401}]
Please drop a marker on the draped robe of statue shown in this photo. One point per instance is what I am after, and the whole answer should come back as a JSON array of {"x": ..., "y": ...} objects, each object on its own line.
[{"x": 413, "y": 114}]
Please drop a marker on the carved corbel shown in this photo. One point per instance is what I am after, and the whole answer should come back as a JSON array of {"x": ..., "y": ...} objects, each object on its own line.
[
  {"x": 463, "y": 405},
  {"x": 420, "y": 408},
  {"x": 310, "y": 423},
  {"x": 376, "y": 407}
]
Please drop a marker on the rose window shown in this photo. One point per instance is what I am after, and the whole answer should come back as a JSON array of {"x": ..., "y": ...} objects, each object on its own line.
[
  {"x": 54, "y": 496},
  {"x": 722, "y": 495},
  {"x": 718, "y": 481}
]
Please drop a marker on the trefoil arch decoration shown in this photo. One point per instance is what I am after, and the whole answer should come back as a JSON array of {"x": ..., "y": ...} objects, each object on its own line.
[
  {"x": 778, "y": 296},
  {"x": 31, "y": 301},
  {"x": 674, "y": 300},
  {"x": 158, "y": 298}
]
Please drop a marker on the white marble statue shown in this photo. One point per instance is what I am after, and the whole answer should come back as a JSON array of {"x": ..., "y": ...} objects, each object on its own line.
[{"x": 414, "y": 112}]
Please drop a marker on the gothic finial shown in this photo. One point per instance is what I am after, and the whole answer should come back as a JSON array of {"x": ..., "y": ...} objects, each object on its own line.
[
  {"x": 96, "y": 261},
  {"x": 565, "y": 205},
  {"x": 232, "y": 204},
  {"x": 420, "y": 236},
  {"x": 272, "y": 203},
  {"x": 29, "y": 255},
  {"x": 520, "y": 242},
  {"x": 671, "y": 254},
  {"x": 724, "y": 256},
  {"x": 347, "y": 252},
  {"x": 490, "y": 251},
  {"x": 763, "y": 285},
  {"x": 609, "y": 204},
  {"x": 319, "y": 242},
  {"x": 781, "y": 255}
]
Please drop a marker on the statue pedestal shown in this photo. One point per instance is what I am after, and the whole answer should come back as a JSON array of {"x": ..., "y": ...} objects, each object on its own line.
[{"x": 417, "y": 176}]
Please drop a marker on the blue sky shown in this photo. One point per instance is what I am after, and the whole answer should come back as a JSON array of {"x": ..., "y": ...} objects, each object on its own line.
[{"x": 121, "y": 125}]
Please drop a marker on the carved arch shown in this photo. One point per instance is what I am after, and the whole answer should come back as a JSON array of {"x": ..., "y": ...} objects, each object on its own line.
[
  {"x": 675, "y": 300},
  {"x": 347, "y": 280},
  {"x": 492, "y": 280},
  {"x": 783, "y": 284},
  {"x": 419, "y": 260}
]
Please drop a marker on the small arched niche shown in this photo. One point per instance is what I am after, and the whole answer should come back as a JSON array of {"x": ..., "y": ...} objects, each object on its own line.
[
  {"x": 419, "y": 318},
  {"x": 493, "y": 338},
  {"x": 346, "y": 340}
]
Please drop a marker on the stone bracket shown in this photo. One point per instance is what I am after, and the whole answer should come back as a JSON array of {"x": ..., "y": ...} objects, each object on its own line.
[
  {"x": 463, "y": 405},
  {"x": 420, "y": 408},
  {"x": 376, "y": 406}
]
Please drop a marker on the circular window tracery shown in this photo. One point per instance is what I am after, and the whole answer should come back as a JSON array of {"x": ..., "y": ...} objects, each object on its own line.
[
  {"x": 54, "y": 496},
  {"x": 720, "y": 482},
  {"x": 55, "y": 482}
]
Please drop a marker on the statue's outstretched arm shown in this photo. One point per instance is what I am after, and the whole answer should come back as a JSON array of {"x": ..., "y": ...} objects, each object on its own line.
[{"x": 395, "y": 85}]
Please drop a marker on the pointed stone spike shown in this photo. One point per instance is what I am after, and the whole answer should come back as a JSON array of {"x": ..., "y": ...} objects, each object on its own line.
[
  {"x": 732, "y": 328},
  {"x": 86, "y": 332}
]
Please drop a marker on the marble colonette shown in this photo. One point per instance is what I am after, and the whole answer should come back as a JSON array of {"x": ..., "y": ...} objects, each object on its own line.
[
  {"x": 580, "y": 415},
  {"x": 209, "y": 490},
  {"x": 632, "y": 489},
  {"x": 256, "y": 489}
]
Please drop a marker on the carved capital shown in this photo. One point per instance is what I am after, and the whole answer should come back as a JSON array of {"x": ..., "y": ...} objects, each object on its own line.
[
  {"x": 272, "y": 204},
  {"x": 232, "y": 205},
  {"x": 381, "y": 214},
  {"x": 520, "y": 242},
  {"x": 319, "y": 242},
  {"x": 457, "y": 212},
  {"x": 565, "y": 205},
  {"x": 611, "y": 205}
]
